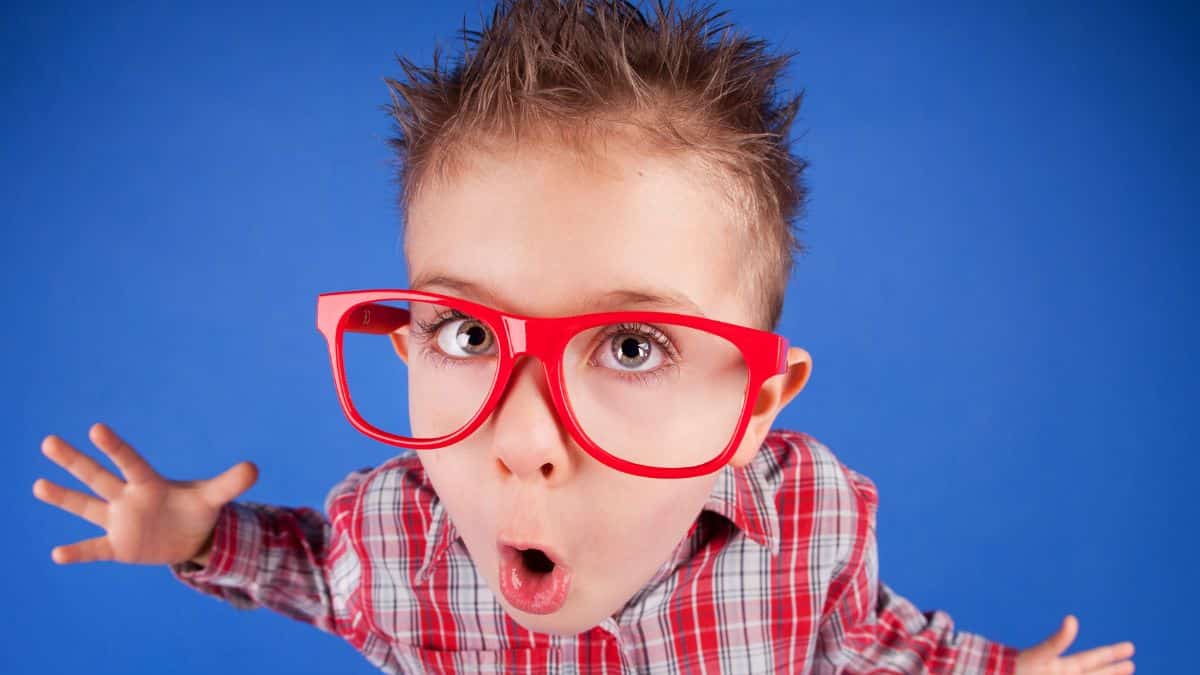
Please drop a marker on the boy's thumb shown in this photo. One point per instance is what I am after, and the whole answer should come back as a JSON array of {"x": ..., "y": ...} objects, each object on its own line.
[
  {"x": 233, "y": 482},
  {"x": 1057, "y": 644}
]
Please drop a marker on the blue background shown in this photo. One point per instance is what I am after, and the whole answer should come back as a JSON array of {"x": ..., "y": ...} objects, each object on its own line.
[{"x": 998, "y": 296}]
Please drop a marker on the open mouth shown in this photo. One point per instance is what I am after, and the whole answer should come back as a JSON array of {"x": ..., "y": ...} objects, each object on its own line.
[
  {"x": 531, "y": 580},
  {"x": 536, "y": 561}
]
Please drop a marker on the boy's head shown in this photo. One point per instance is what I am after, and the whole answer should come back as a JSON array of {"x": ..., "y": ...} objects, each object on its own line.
[{"x": 576, "y": 151}]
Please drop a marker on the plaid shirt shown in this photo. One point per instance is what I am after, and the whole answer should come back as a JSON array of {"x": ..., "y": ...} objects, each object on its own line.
[{"x": 779, "y": 573}]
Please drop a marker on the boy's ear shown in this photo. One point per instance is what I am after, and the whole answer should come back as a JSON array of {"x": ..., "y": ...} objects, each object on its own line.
[
  {"x": 399, "y": 339},
  {"x": 776, "y": 393}
]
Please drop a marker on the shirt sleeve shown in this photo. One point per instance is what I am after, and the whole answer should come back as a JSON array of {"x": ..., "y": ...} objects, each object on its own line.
[
  {"x": 283, "y": 558},
  {"x": 868, "y": 627}
]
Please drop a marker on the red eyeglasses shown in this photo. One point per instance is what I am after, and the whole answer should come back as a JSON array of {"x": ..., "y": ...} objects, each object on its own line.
[{"x": 654, "y": 394}]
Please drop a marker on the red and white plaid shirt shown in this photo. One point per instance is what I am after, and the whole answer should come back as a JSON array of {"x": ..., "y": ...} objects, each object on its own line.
[{"x": 779, "y": 573}]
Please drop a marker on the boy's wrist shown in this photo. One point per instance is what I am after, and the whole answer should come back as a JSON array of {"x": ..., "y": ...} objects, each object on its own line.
[{"x": 201, "y": 558}]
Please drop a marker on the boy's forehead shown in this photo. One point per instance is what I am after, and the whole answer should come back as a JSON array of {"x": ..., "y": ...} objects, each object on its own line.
[
  {"x": 538, "y": 232},
  {"x": 642, "y": 297}
]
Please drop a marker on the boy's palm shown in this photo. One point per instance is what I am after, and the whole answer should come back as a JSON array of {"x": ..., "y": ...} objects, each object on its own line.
[{"x": 147, "y": 518}]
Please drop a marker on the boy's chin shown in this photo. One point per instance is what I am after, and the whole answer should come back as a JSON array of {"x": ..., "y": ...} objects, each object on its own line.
[{"x": 563, "y": 622}]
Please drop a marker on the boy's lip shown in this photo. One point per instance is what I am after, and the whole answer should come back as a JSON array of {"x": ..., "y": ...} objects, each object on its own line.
[{"x": 522, "y": 544}]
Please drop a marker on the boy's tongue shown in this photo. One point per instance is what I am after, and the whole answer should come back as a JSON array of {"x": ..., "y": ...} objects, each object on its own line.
[{"x": 527, "y": 587}]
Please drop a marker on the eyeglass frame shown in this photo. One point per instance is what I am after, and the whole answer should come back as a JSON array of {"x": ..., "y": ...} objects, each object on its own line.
[{"x": 359, "y": 311}]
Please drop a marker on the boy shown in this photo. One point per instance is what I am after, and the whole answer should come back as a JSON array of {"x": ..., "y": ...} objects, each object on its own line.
[{"x": 580, "y": 160}]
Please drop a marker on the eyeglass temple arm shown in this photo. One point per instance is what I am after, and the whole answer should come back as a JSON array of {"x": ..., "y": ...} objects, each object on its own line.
[
  {"x": 781, "y": 359},
  {"x": 375, "y": 319}
]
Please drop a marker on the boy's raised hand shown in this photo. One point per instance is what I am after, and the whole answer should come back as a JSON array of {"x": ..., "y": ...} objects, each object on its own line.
[
  {"x": 148, "y": 519},
  {"x": 1044, "y": 659}
]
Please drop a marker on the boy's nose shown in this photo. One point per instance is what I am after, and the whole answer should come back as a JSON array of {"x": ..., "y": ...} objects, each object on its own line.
[{"x": 528, "y": 439}]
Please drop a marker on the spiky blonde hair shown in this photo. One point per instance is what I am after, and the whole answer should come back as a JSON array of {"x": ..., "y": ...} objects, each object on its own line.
[{"x": 572, "y": 67}]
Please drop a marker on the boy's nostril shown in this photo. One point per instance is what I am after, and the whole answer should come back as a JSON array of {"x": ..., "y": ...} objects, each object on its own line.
[{"x": 536, "y": 561}]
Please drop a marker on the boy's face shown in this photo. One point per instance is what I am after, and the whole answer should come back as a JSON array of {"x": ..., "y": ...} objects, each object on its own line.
[{"x": 540, "y": 231}]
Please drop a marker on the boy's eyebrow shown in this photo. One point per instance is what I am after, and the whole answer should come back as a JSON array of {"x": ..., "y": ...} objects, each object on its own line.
[{"x": 607, "y": 299}]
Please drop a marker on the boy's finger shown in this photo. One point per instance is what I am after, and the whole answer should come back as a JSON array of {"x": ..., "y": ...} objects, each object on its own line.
[
  {"x": 1101, "y": 656},
  {"x": 1058, "y": 642},
  {"x": 89, "y": 472},
  {"x": 1122, "y": 668},
  {"x": 85, "y": 506},
  {"x": 88, "y": 550},
  {"x": 230, "y": 483},
  {"x": 126, "y": 458}
]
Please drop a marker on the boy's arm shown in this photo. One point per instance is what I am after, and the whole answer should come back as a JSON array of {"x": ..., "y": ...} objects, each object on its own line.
[
  {"x": 280, "y": 557},
  {"x": 868, "y": 626}
]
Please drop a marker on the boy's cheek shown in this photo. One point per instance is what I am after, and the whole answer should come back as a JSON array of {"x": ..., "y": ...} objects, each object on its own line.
[
  {"x": 453, "y": 474},
  {"x": 447, "y": 475},
  {"x": 643, "y": 517}
]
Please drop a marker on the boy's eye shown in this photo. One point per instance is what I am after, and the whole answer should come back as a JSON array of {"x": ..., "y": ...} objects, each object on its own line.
[
  {"x": 629, "y": 351},
  {"x": 464, "y": 338},
  {"x": 636, "y": 352}
]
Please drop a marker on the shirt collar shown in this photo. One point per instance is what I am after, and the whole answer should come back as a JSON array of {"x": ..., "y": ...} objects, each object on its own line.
[
  {"x": 748, "y": 501},
  {"x": 741, "y": 495},
  {"x": 442, "y": 534}
]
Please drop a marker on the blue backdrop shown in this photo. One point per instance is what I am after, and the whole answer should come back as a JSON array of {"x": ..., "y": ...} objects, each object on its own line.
[{"x": 998, "y": 297}]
